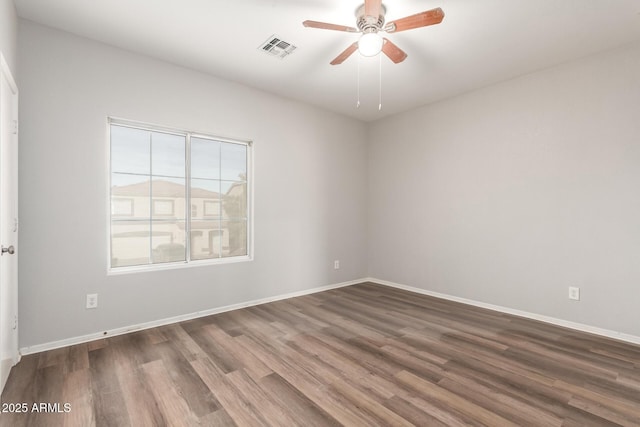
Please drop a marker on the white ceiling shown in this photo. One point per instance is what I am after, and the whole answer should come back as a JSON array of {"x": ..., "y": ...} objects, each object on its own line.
[{"x": 480, "y": 42}]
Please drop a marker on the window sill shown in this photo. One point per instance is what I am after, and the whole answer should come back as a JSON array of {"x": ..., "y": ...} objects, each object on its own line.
[{"x": 176, "y": 265}]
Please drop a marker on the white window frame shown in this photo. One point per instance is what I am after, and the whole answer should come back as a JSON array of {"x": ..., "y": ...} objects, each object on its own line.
[{"x": 188, "y": 263}]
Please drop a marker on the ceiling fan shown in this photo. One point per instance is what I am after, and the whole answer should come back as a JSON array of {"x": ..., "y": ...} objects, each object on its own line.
[{"x": 370, "y": 22}]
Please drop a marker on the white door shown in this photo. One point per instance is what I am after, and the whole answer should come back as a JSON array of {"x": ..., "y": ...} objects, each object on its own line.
[{"x": 9, "y": 354}]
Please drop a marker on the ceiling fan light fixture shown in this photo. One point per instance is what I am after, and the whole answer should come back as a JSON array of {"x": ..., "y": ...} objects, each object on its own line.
[{"x": 370, "y": 44}]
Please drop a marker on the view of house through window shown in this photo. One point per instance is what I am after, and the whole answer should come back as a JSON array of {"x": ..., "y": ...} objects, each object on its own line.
[{"x": 176, "y": 197}]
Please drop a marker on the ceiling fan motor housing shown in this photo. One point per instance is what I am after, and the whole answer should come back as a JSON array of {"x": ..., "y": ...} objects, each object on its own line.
[{"x": 370, "y": 24}]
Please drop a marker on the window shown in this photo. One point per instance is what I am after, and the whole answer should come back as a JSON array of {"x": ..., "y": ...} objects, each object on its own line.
[
  {"x": 163, "y": 207},
  {"x": 121, "y": 207},
  {"x": 177, "y": 198},
  {"x": 211, "y": 208}
]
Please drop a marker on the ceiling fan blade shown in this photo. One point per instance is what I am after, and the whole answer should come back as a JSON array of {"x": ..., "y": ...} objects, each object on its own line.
[
  {"x": 326, "y": 26},
  {"x": 345, "y": 54},
  {"x": 422, "y": 19},
  {"x": 393, "y": 52},
  {"x": 372, "y": 8}
]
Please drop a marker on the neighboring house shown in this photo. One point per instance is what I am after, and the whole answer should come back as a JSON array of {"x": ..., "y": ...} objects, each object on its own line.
[{"x": 215, "y": 220}]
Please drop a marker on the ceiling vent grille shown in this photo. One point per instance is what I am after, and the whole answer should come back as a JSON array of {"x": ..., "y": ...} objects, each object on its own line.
[{"x": 276, "y": 47}]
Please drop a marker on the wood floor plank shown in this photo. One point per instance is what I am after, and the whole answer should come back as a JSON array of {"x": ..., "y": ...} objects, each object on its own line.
[
  {"x": 108, "y": 402},
  {"x": 413, "y": 414},
  {"x": 310, "y": 383},
  {"x": 451, "y": 352},
  {"x": 219, "y": 418},
  {"x": 20, "y": 385},
  {"x": 364, "y": 354},
  {"x": 624, "y": 406},
  {"x": 170, "y": 402},
  {"x": 181, "y": 340},
  {"x": 48, "y": 382},
  {"x": 242, "y": 412},
  {"x": 78, "y": 358},
  {"x": 443, "y": 395},
  {"x": 54, "y": 357},
  {"x": 139, "y": 400},
  {"x": 221, "y": 358},
  {"x": 342, "y": 367},
  {"x": 74, "y": 393},
  {"x": 299, "y": 405},
  {"x": 187, "y": 381},
  {"x": 273, "y": 413},
  {"x": 501, "y": 403},
  {"x": 627, "y": 381},
  {"x": 603, "y": 412},
  {"x": 368, "y": 404},
  {"x": 438, "y": 410},
  {"x": 254, "y": 366}
]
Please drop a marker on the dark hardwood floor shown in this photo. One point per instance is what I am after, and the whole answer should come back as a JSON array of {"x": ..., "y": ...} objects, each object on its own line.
[{"x": 361, "y": 355}]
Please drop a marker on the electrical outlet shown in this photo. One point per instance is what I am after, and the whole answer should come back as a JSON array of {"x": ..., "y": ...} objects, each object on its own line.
[
  {"x": 92, "y": 300},
  {"x": 336, "y": 264},
  {"x": 574, "y": 293}
]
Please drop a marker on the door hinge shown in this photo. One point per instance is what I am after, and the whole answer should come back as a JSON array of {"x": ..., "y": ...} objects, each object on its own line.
[
  {"x": 15, "y": 127},
  {"x": 15, "y": 322}
]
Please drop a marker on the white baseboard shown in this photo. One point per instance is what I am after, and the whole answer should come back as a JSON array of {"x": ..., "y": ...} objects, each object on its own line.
[
  {"x": 161, "y": 322},
  {"x": 547, "y": 319}
]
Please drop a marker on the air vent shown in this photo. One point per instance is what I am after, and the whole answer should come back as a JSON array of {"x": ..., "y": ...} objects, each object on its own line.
[{"x": 276, "y": 47}]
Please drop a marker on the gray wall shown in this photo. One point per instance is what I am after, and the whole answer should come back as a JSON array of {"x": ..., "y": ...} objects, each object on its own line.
[
  {"x": 310, "y": 187},
  {"x": 510, "y": 194},
  {"x": 8, "y": 34},
  {"x": 506, "y": 195}
]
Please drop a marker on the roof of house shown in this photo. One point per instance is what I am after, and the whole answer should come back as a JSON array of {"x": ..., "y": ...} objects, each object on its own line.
[{"x": 162, "y": 188}]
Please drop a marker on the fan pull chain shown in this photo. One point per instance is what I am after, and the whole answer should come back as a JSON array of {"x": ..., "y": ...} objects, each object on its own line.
[
  {"x": 358, "y": 104},
  {"x": 379, "y": 82}
]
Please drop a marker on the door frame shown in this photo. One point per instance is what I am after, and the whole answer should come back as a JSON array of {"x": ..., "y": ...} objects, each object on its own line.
[{"x": 14, "y": 354}]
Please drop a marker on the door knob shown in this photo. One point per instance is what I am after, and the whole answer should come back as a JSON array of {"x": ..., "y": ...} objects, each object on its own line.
[{"x": 10, "y": 250}]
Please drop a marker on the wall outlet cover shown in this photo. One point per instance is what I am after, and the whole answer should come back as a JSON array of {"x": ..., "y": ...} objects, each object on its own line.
[
  {"x": 574, "y": 293},
  {"x": 92, "y": 300}
]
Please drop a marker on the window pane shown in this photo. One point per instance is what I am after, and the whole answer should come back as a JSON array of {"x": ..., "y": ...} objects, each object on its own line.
[
  {"x": 234, "y": 239},
  {"x": 205, "y": 239},
  {"x": 234, "y": 201},
  {"x": 233, "y": 161},
  {"x": 129, "y": 196},
  {"x": 205, "y": 196},
  {"x": 168, "y": 198},
  {"x": 129, "y": 243},
  {"x": 130, "y": 150},
  {"x": 152, "y": 207},
  {"x": 205, "y": 158},
  {"x": 168, "y": 241},
  {"x": 167, "y": 154}
]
